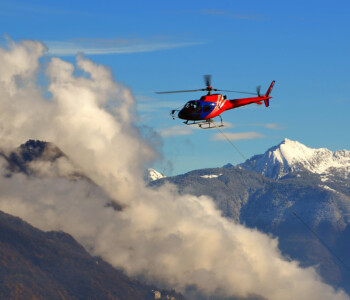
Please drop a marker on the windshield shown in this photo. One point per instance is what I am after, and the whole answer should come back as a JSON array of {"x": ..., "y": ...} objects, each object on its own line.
[{"x": 193, "y": 107}]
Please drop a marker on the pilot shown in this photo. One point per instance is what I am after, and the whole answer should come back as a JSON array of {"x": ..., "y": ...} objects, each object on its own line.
[{"x": 190, "y": 108}]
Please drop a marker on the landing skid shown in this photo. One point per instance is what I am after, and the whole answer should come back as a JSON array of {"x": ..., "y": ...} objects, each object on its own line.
[{"x": 206, "y": 124}]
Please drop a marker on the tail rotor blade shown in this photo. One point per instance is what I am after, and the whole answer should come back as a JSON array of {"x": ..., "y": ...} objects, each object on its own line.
[{"x": 258, "y": 88}]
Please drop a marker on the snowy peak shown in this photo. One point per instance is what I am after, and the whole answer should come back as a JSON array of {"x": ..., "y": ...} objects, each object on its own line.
[
  {"x": 291, "y": 151},
  {"x": 152, "y": 174},
  {"x": 292, "y": 156}
]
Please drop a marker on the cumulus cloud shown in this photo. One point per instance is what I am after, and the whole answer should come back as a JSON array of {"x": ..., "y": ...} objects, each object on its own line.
[{"x": 178, "y": 241}]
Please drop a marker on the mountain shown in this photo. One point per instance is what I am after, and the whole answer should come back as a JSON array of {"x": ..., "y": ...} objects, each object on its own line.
[
  {"x": 312, "y": 182},
  {"x": 291, "y": 156},
  {"x": 40, "y": 159},
  {"x": 52, "y": 265},
  {"x": 152, "y": 174}
]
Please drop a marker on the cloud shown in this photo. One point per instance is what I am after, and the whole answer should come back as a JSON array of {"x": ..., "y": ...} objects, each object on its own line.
[
  {"x": 228, "y": 14},
  {"x": 227, "y": 124},
  {"x": 116, "y": 46},
  {"x": 187, "y": 129},
  {"x": 150, "y": 105},
  {"x": 238, "y": 136},
  {"x": 176, "y": 130},
  {"x": 273, "y": 126},
  {"x": 170, "y": 239},
  {"x": 18, "y": 8}
]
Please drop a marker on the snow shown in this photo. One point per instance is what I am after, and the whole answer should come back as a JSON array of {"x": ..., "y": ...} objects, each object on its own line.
[
  {"x": 324, "y": 178},
  {"x": 328, "y": 188},
  {"x": 154, "y": 175},
  {"x": 292, "y": 156},
  {"x": 211, "y": 176}
]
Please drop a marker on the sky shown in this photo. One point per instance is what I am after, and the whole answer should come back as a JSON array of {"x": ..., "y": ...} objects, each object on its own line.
[
  {"x": 100, "y": 108},
  {"x": 161, "y": 45}
]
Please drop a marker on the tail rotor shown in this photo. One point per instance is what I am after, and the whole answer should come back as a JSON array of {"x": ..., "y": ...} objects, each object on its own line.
[{"x": 258, "y": 88}]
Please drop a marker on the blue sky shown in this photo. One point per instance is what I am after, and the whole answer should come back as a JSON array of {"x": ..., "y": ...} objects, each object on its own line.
[{"x": 168, "y": 45}]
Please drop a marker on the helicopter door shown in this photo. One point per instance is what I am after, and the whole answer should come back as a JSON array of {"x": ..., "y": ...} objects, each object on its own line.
[{"x": 197, "y": 110}]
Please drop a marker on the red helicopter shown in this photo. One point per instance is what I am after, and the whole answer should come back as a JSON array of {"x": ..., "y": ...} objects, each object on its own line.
[{"x": 202, "y": 111}]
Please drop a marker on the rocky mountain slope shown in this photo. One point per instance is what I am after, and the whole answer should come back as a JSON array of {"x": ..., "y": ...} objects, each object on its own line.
[{"x": 312, "y": 182}]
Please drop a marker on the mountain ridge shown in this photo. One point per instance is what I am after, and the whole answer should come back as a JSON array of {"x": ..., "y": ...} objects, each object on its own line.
[
  {"x": 292, "y": 156},
  {"x": 321, "y": 200}
]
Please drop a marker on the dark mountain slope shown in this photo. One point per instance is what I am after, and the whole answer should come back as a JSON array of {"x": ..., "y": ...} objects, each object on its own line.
[{"x": 52, "y": 265}]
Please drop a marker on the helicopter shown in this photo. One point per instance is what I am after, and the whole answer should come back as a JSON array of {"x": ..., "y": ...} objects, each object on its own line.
[{"x": 201, "y": 112}]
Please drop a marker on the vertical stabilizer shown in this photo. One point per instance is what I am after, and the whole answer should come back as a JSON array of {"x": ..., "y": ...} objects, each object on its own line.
[
  {"x": 267, "y": 101},
  {"x": 270, "y": 89}
]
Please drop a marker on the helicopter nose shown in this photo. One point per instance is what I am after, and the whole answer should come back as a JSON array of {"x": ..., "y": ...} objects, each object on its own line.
[{"x": 182, "y": 114}]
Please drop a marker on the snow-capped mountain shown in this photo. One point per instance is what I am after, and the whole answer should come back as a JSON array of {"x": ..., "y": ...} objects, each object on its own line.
[
  {"x": 292, "y": 156},
  {"x": 312, "y": 182},
  {"x": 152, "y": 174}
]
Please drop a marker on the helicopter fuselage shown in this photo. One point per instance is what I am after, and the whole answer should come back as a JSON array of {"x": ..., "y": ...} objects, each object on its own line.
[{"x": 210, "y": 106}]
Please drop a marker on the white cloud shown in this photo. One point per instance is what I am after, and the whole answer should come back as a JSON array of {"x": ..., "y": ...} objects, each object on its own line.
[
  {"x": 62, "y": 48},
  {"x": 176, "y": 130},
  {"x": 227, "y": 125},
  {"x": 171, "y": 239},
  {"x": 273, "y": 126},
  {"x": 237, "y": 136}
]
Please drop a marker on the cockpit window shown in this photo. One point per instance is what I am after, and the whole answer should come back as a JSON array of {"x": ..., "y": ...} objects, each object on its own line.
[
  {"x": 196, "y": 107},
  {"x": 193, "y": 107}
]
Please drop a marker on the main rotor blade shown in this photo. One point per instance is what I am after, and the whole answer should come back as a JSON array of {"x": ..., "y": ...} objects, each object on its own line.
[
  {"x": 207, "y": 79},
  {"x": 249, "y": 93},
  {"x": 185, "y": 91}
]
